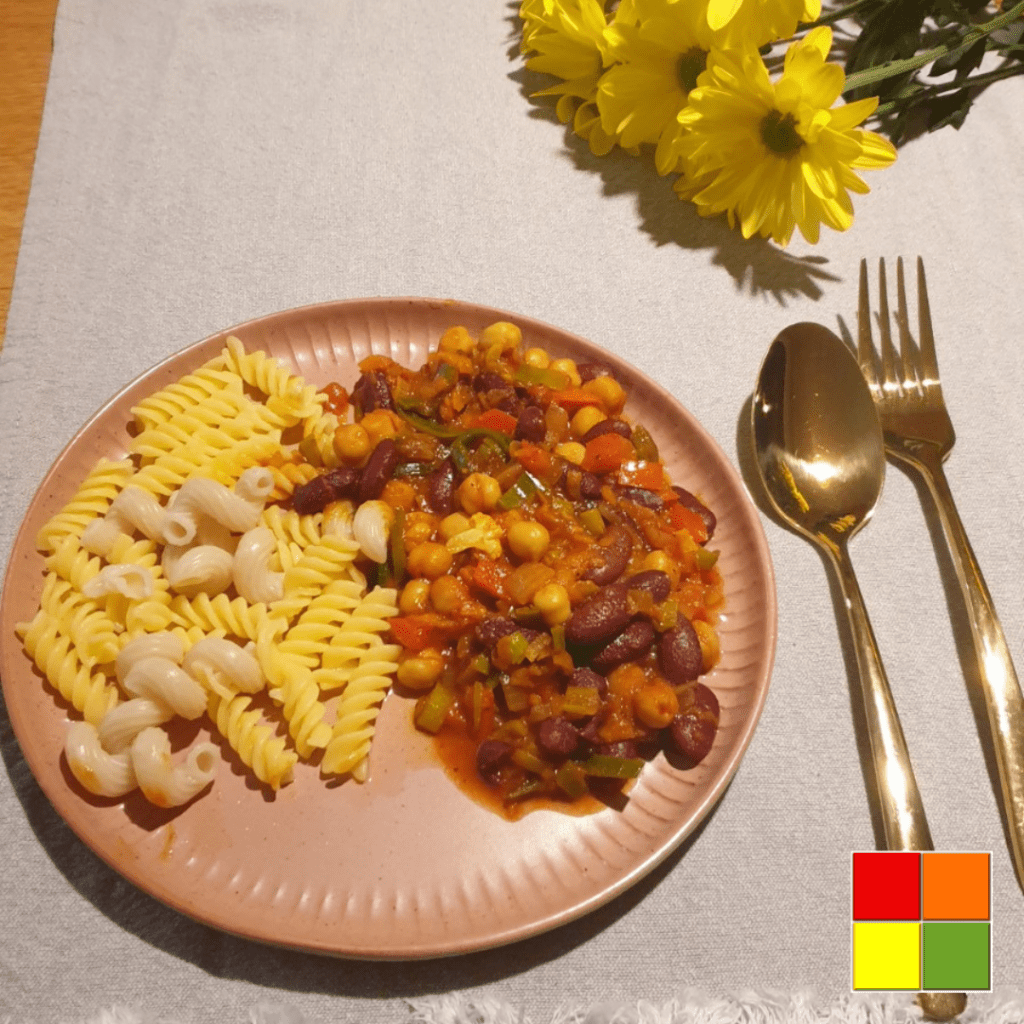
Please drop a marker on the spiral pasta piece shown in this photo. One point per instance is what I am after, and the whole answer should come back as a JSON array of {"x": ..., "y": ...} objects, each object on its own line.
[
  {"x": 100, "y": 772},
  {"x": 88, "y": 692},
  {"x": 321, "y": 564},
  {"x": 163, "y": 783},
  {"x": 288, "y": 394},
  {"x": 183, "y": 394},
  {"x": 255, "y": 743},
  {"x": 236, "y": 617},
  {"x": 355, "y": 724},
  {"x": 92, "y": 499}
]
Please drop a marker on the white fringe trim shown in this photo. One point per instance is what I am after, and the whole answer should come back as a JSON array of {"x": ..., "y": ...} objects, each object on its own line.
[{"x": 1002, "y": 1006}]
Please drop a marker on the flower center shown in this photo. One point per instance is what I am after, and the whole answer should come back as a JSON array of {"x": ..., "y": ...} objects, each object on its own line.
[
  {"x": 691, "y": 65},
  {"x": 779, "y": 134}
]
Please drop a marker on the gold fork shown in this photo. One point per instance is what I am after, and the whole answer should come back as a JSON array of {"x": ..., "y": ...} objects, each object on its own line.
[{"x": 919, "y": 433}]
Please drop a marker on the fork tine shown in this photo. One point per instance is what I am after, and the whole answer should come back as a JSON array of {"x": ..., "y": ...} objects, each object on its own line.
[
  {"x": 908, "y": 351},
  {"x": 926, "y": 340},
  {"x": 865, "y": 346},
  {"x": 890, "y": 376}
]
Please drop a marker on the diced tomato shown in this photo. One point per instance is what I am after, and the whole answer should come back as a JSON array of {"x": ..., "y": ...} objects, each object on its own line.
[
  {"x": 682, "y": 518},
  {"x": 606, "y": 453},
  {"x": 496, "y": 419},
  {"x": 489, "y": 576},
  {"x": 648, "y": 475},
  {"x": 416, "y": 632}
]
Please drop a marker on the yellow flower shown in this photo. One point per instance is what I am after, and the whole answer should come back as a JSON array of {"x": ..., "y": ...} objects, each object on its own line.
[
  {"x": 756, "y": 22},
  {"x": 775, "y": 156},
  {"x": 659, "y": 60}
]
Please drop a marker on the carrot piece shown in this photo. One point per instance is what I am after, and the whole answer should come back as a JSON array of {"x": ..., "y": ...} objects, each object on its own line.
[
  {"x": 682, "y": 518},
  {"x": 575, "y": 398},
  {"x": 606, "y": 453},
  {"x": 648, "y": 475},
  {"x": 533, "y": 459},
  {"x": 496, "y": 419}
]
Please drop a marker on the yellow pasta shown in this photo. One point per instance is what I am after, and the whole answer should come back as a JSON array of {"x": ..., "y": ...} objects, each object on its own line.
[
  {"x": 111, "y": 557},
  {"x": 92, "y": 499}
]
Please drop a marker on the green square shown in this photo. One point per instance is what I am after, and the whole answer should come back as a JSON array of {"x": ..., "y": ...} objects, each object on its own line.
[{"x": 956, "y": 956}]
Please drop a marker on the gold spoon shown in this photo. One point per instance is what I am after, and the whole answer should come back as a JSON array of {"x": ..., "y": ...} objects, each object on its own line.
[{"x": 819, "y": 448}]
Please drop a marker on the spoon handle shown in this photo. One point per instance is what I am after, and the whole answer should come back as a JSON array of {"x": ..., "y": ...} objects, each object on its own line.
[{"x": 903, "y": 817}]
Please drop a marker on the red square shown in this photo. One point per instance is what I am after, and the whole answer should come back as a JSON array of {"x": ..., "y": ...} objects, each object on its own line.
[{"x": 886, "y": 886}]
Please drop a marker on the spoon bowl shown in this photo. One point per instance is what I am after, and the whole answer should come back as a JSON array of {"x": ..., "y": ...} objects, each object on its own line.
[{"x": 820, "y": 453}]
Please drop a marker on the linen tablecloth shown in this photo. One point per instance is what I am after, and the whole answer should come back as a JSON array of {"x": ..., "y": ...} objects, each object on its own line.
[{"x": 202, "y": 163}]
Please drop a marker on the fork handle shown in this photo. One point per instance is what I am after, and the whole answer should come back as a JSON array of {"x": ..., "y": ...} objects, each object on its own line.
[
  {"x": 999, "y": 684},
  {"x": 903, "y": 817}
]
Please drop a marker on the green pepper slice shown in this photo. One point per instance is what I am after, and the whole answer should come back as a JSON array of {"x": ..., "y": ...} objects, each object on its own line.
[{"x": 607, "y": 767}]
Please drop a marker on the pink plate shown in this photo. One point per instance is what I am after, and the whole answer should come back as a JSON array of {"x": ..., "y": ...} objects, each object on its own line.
[{"x": 405, "y": 865}]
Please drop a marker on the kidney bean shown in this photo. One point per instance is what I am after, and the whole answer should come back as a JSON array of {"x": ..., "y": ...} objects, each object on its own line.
[
  {"x": 632, "y": 643},
  {"x": 491, "y": 757},
  {"x": 588, "y": 371},
  {"x": 615, "y": 546},
  {"x": 440, "y": 498},
  {"x": 557, "y": 737},
  {"x": 316, "y": 495},
  {"x": 590, "y": 486},
  {"x": 641, "y": 496},
  {"x": 694, "y": 504},
  {"x": 378, "y": 469},
  {"x": 653, "y": 581},
  {"x": 590, "y": 679},
  {"x": 621, "y": 748},
  {"x": 608, "y": 426},
  {"x": 489, "y": 631},
  {"x": 530, "y": 425},
  {"x": 679, "y": 654},
  {"x": 489, "y": 381},
  {"x": 372, "y": 392},
  {"x": 599, "y": 618},
  {"x": 692, "y": 732}
]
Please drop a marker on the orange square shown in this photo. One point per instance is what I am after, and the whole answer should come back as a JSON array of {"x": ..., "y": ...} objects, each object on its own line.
[{"x": 955, "y": 886}]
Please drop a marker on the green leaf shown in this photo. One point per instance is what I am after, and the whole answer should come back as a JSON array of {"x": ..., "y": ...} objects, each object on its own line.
[
  {"x": 949, "y": 110},
  {"x": 963, "y": 60}
]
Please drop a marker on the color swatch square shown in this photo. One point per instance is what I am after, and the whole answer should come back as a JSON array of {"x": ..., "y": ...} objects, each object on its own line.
[
  {"x": 921, "y": 921},
  {"x": 955, "y": 886},
  {"x": 886, "y": 955},
  {"x": 956, "y": 955},
  {"x": 886, "y": 886}
]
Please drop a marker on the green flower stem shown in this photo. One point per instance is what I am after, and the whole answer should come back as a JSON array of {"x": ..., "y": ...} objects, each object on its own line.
[
  {"x": 974, "y": 82},
  {"x": 870, "y": 76}
]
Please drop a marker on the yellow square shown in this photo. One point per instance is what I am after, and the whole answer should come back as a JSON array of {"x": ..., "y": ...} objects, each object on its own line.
[{"x": 886, "y": 955}]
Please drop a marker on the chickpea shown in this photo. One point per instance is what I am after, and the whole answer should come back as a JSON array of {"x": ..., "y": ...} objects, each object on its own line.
[
  {"x": 379, "y": 424},
  {"x": 456, "y": 339},
  {"x": 552, "y": 601},
  {"x": 447, "y": 594},
  {"x": 429, "y": 559},
  {"x": 414, "y": 596},
  {"x": 568, "y": 367},
  {"x": 587, "y": 417},
  {"x": 421, "y": 670},
  {"x": 609, "y": 392},
  {"x": 418, "y": 527},
  {"x": 536, "y": 357},
  {"x": 479, "y": 493},
  {"x": 352, "y": 443},
  {"x": 453, "y": 525},
  {"x": 571, "y": 451},
  {"x": 659, "y": 560},
  {"x": 528, "y": 540},
  {"x": 710, "y": 646},
  {"x": 399, "y": 494},
  {"x": 656, "y": 704},
  {"x": 502, "y": 333}
]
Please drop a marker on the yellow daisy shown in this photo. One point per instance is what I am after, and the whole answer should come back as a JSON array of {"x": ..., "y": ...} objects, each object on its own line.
[
  {"x": 659, "y": 58},
  {"x": 775, "y": 156},
  {"x": 756, "y": 22}
]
